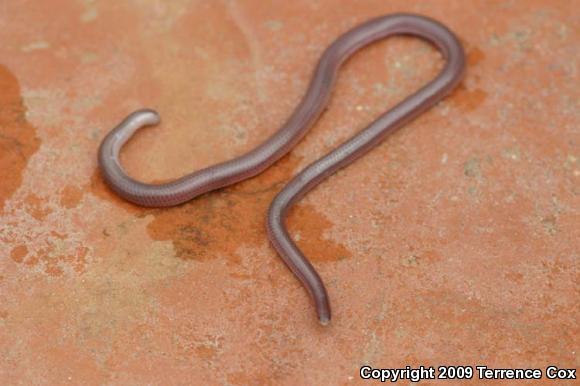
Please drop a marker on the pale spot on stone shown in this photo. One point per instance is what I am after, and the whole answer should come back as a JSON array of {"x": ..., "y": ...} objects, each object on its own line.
[
  {"x": 563, "y": 31},
  {"x": 274, "y": 25},
  {"x": 35, "y": 46},
  {"x": 201, "y": 53},
  {"x": 89, "y": 57},
  {"x": 410, "y": 261},
  {"x": 570, "y": 164},
  {"x": 513, "y": 154},
  {"x": 472, "y": 168},
  {"x": 89, "y": 15},
  {"x": 549, "y": 224}
]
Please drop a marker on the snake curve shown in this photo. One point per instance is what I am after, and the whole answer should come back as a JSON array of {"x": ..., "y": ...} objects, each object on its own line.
[{"x": 306, "y": 113}]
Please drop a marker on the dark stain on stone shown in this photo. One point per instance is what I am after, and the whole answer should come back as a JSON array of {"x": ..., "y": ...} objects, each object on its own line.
[
  {"x": 474, "y": 56},
  {"x": 18, "y": 140},
  {"x": 464, "y": 98},
  {"x": 35, "y": 206},
  {"x": 218, "y": 223},
  {"x": 468, "y": 100},
  {"x": 19, "y": 253},
  {"x": 305, "y": 221},
  {"x": 71, "y": 196}
]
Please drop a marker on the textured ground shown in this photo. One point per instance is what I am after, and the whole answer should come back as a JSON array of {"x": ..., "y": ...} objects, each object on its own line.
[{"x": 454, "y": 242}]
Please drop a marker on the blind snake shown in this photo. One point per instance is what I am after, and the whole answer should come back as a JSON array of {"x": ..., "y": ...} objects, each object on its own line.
[{"x": 306, "y": 113}]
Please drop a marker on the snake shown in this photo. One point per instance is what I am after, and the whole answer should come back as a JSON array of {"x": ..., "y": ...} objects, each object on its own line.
[{"x": 312, "y": 105}]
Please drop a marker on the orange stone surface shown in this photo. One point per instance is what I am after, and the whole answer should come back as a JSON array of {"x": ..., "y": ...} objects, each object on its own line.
[{"x": 456, "y": 241}]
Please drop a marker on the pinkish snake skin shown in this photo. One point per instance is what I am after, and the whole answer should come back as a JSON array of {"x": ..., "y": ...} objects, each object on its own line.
[{"x": 280, "y": 143}]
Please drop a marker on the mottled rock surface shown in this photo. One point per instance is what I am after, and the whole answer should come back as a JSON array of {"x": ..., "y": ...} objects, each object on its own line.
[{"x": 454, "y": 242}]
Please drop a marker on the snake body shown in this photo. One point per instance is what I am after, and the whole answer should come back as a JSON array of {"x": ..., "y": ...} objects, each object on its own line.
[{"x": 284, "y": 139}]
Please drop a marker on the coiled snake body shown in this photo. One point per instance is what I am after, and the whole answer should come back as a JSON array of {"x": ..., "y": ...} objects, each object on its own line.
[{"x": 280, "y": 143}]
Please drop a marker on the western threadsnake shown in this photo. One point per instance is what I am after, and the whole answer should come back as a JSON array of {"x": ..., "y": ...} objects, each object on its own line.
[{"x": 306, "y": 113}]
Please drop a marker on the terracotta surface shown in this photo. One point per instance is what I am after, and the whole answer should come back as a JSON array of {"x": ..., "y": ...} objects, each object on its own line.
[{"x": 454, "y": 242}]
